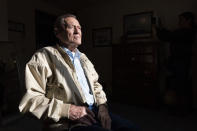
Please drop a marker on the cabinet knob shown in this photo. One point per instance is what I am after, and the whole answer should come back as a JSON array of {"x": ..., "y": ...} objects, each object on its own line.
[{"x": 132, "y": 58}]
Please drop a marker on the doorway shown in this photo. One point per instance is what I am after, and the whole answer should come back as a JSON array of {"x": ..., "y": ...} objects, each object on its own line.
[{"x": 44, "y": 29}]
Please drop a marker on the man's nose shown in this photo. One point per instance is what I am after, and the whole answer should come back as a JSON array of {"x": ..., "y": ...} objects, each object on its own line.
[{"x": 76, "y": 30}]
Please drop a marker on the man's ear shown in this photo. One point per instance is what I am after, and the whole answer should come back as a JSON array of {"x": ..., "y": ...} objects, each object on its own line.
[{"x": 56, "y": 31}]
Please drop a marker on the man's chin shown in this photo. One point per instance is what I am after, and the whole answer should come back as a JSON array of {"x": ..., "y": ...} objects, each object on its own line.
[{"x": 78, "y": 43}]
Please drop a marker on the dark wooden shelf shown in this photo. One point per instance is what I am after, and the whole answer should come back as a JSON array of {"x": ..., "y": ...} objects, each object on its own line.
[{"x": 135, "y": 73}]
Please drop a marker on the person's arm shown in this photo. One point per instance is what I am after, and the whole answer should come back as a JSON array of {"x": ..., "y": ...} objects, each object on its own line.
[
  {"x": 185, "y": 36},
  {"x": 81, "y": 114},
  {"x": 164, "y": 34},
  {"x": 103, "y": 113},
  {"x": 104, "y": 117},
  {"x": 35, "y": 100}
]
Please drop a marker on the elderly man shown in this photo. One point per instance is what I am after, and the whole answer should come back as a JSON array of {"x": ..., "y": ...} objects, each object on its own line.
[{"x": 62, "y": 86}]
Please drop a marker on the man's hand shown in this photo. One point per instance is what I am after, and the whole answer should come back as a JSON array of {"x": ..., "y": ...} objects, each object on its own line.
[
  {"x": 81, "y": 114},
  {"x": 104, "y": 117}
]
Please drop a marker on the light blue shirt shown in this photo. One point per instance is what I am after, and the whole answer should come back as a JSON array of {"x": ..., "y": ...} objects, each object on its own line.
[{"x": 75, "y": 58}]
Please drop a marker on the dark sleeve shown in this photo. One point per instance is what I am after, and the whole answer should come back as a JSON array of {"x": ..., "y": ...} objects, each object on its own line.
[
  {"x": 183, "y": 36},
  {"x": 164, "y": 34}
]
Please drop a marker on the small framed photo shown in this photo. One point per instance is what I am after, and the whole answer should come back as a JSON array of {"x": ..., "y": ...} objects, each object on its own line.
[
  {"x": 102, "y": 37},
  {"x": 15, "y": 26},
  {"x": 138, "y": 25}
]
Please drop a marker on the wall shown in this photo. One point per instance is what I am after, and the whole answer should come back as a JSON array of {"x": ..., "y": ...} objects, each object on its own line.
[
  {"x": 23, "y": 11},
  {"x": 111, "y": 14},
  {"x": 3, "y": 21},
  {"x": 24, "y": 43}
]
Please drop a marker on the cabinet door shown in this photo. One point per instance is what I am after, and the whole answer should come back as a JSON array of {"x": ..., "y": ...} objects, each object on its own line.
[{"x": 135, "y": 78}]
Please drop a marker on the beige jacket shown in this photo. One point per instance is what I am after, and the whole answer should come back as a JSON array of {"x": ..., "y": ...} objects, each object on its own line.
[{"x": 52, "y": 84}]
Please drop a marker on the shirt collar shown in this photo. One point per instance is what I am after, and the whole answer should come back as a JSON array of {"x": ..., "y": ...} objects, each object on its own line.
[{"x": 77, "y": 53}]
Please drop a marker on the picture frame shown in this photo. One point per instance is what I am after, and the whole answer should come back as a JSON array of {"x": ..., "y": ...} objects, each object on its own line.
[
  {"x": 102, "y": 37},
  {"x": 138, "y": 25},
  {"x": 16, "y": 26}
]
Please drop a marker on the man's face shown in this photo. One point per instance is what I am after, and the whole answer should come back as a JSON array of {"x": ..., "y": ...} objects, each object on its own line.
[{"x": 72, "y": 34}]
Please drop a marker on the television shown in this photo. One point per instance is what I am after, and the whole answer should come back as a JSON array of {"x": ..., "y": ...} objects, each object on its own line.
[{"x": 138, "y": 25}]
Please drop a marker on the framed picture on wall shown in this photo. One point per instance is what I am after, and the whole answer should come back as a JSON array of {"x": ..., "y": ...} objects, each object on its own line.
[
  {"x": 102, "y": 37},
  {"x": 138, "y": 25},
  {"x": 16, "y": 26}
]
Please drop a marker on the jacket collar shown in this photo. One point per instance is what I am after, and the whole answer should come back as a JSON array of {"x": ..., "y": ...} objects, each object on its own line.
[{"x": 65, "y": 57}]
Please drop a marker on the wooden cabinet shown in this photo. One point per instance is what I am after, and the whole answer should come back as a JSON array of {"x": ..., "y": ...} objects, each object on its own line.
[
  {"x": 10, "y": 88},
  {"x": 135, "y": 73}
]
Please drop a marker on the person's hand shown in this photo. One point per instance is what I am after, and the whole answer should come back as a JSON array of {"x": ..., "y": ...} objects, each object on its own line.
[
  {"x": 81, "y": 114},
  {"x": 104, "y": 117}
]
